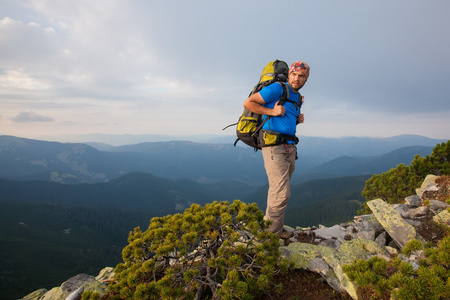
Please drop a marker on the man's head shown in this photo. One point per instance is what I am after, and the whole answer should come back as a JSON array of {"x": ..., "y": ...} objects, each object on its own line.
[{"x": 298, "y": 75}]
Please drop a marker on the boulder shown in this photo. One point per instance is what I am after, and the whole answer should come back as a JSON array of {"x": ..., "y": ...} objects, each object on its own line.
[{"x": 400, "y": 230}]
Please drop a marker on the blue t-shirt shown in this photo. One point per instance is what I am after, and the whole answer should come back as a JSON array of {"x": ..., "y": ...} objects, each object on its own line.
[{"x": 286, "y": 124}]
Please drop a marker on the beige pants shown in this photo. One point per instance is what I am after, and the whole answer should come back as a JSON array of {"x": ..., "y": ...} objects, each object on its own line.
[{"x": 279, "y": 162}]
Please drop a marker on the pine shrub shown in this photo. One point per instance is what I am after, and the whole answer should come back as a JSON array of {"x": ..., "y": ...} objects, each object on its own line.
[
  {"x": 219, "y": 251},
  {"x": 377, "y": 278}
]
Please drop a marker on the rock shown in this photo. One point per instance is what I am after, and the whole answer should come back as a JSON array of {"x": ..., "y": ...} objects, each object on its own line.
[
  {"x": 402, "y": 209},
  {"x": 368, "y": 223},
  {"x": 381, "y": 239},
  {"x": 437, "y": 206},
  {"x": 413, "y": 200},
  {"x": 414, "y": 223},
  {"x": 366, "y": 234},
  {"x": 76, "y": 295},
  {"x": 105, "y": 275},
  {"x": 443, "y": 216},
  {"x": 335, "y": 232},
  {"x": 428, "y": 188},
  {"x": 335, "y": 244},
  {"x": 417, "y": 213},
  {"x": 401, "y": 231},
  {"x": 55, "y": 294},
  {"x": 36, "y": 295},
  {"x": 75, "y": 282}
]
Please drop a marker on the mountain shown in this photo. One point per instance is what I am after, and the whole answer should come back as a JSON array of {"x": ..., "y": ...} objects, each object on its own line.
[
  {"x": 330, "y": 147},
  {"x": 346, "y": 165},
  {"x": 72, "y": 163},
  {"x": 25, "y": 159}
]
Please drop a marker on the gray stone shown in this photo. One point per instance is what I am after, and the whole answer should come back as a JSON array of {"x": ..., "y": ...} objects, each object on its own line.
[
  {"x": 414, "y": 223},
  {"x": 75, "y": 282},
  {"x": 335, "y": 244},
  {"x": 55, "y": 294},
  {"x": 381, "y": 239},
  {"x": 416, "y": 213},
  {"x": 333, "y": 232},
  {"x": 402, "y": 209},
  {"x": 76, "y": 295},
  {"x": 413, "y": 200},
  {"x": 437, "y": 206},
  {"x": 368, "y": 222},
  {"x": 366, "y": 234}
]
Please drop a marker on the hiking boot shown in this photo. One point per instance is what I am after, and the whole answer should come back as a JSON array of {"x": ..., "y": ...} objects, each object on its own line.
[{"x": 285, "y": 234}]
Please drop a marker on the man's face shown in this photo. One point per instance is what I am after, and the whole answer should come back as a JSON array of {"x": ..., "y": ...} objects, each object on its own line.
[{"x": 297, "y": 80}]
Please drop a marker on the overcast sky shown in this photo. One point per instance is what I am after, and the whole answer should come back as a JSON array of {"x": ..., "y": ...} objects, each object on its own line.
[{"x": 378, "y": 68}]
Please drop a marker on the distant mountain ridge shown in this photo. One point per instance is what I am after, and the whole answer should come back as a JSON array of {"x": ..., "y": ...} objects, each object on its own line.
[
  {"x": 347, "y": 165},
  {"x": 25, "y": 159}
]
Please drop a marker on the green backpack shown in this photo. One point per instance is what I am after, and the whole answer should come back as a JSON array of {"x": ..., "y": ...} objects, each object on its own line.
[{"x": 249, "y": 125}]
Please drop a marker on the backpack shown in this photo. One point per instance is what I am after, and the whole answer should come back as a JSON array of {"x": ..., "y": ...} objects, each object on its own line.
[{"x": 249, "y": 125}]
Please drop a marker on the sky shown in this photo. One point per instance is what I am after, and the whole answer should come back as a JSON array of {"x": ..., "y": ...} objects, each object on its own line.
[{"x": 135, "y": 67}]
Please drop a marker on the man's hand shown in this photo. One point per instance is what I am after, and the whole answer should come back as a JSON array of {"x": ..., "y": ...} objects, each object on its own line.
[
  {"x": 300, "y": 118},
  {"x": 278, "y": 110}
]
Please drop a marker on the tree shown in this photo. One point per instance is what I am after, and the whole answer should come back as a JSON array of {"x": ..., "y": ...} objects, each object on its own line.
[{"x": 219, "y": 251}]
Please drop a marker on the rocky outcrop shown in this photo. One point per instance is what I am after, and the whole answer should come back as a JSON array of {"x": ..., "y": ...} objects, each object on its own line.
[
  {"x": 325, "y": 250},
  {"x": 384, "y": 233}
]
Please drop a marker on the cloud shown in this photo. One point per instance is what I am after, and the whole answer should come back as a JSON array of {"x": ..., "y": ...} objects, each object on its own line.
[
  {"x": 27, "y": 117},
  {"x": 139, "y": 66}
]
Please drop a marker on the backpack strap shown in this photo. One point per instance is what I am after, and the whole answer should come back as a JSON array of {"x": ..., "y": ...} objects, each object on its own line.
[{"x": 285, "y": 97}]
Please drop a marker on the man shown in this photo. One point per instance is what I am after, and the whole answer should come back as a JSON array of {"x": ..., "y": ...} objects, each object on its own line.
[{"x": 279, "y": 160}]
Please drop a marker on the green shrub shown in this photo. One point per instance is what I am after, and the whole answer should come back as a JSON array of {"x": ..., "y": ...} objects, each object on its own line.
[
  {"x": 377, "y": 278},
  {"x": 90, "y": 295},
  {"x": 219, "y": 251}
]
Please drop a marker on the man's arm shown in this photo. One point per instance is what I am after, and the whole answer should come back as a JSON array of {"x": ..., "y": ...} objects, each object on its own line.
[{"x": 255, "y": 102}]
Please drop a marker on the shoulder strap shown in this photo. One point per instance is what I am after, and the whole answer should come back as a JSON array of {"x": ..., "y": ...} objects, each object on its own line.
[{"x": 285, "y": 97}]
